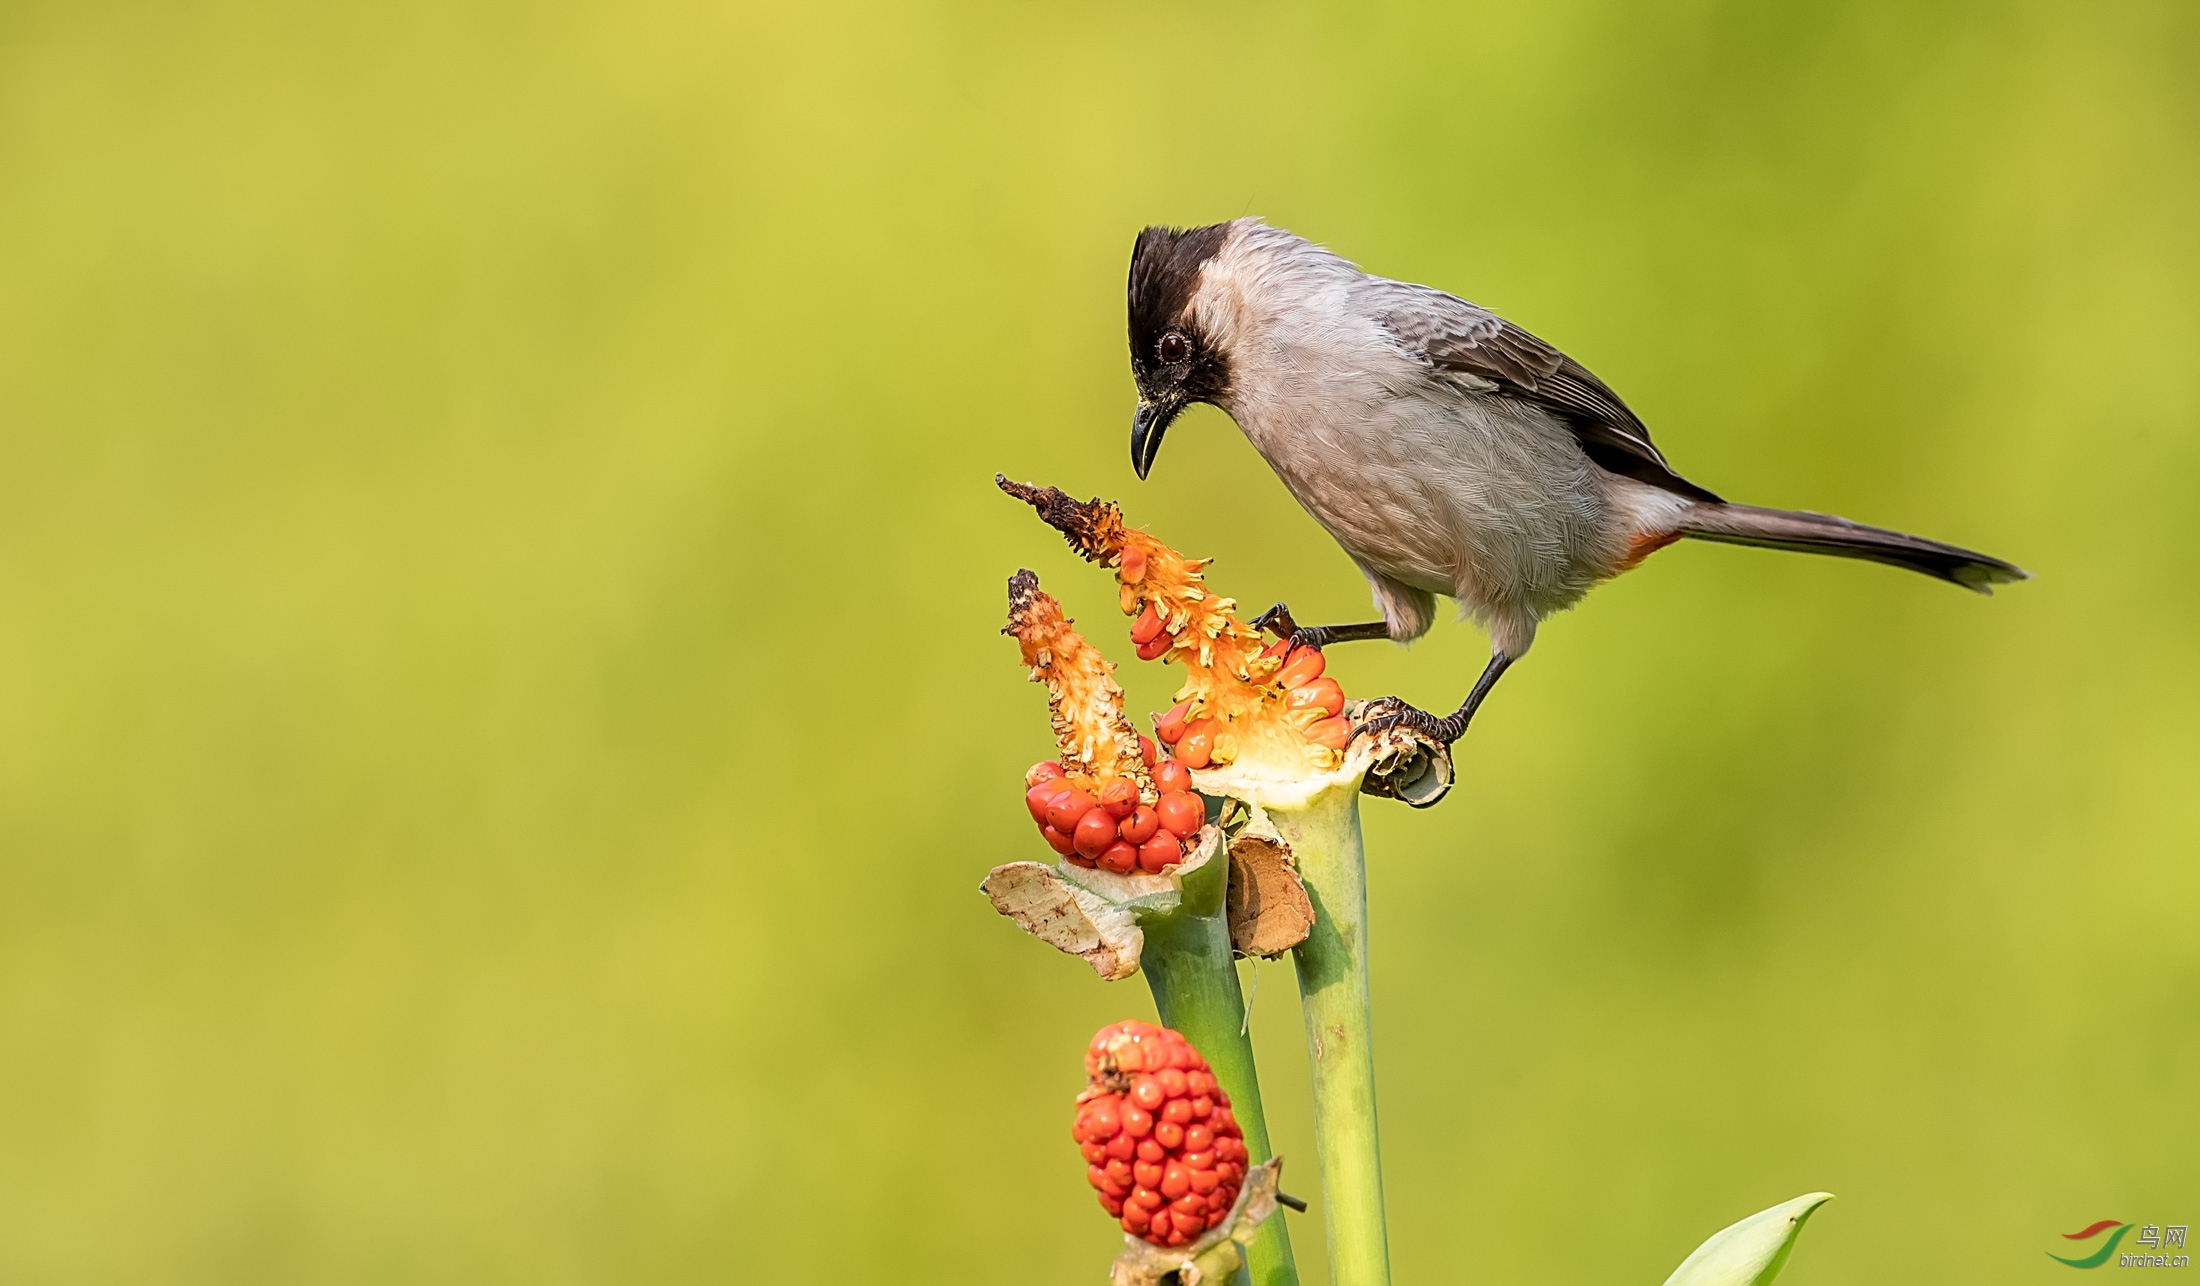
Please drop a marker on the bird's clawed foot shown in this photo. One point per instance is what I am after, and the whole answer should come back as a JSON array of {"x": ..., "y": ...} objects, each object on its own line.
[
  {"x": 1384, "y": 713},
  {"x": 1277, "y": 621}
]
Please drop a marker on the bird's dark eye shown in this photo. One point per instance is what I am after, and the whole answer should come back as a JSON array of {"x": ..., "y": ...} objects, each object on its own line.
[{"x": 1174, "y": 348}]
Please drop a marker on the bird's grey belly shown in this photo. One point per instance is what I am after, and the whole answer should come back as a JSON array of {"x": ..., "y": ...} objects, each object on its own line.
[{"x": 1485, "y": 500}]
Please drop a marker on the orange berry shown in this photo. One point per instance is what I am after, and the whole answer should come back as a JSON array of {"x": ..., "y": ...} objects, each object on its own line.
[
  {"x": 1067, "y": 808},
  {"x": 1095, "y": 831},
  {"x": 1122, "y": 1147},
  {"x": 1037, "y": 798},
  {"x": 1148, "y": 751},
  {"x": 1197, "y": 745},
  {"x": 1150, "y": 1152},
  {"x": 1045, "y": 770},
  {"x": 1333, "y": 733},
  {"x": 1169, "y": 1135},
  {"x": 1322, "y": 694},
  {"x": 1147, "y": 1093},
  {"x": 1147, "y": 627},
  {"x": 1148, "y": 1198},
  {"x": 1175, "y": 1181},
  {"x": 1118, "y": 857},
  {"x": 1131, "y": 568},
  {"x": 1155, "y": 646},
  {"x": 1204, "y": 1180},
  {"x": 1170, "y": 775},
  {"x": 1139, "y": 827},
  {"x": 1137, "y": 1121},
  {"x": 1172, "y": 1081},
  {"x": 1159, "y": 853},
  {"x": 1177, "y": 1111},
  {"x": 1181, "y": 814},
  {"x": 1059, "y": 842},
  {"x": 1103, "y": 1118},
  {"x": 1275, "y": 649},
  {"x": 1170, "y": 725},
  {"x": 1148, "y": 1174},
  {"x": 1303, "y": 667},
  {"x": 1119, "y": 798},
  {"x": 1197, "y": 1138}
]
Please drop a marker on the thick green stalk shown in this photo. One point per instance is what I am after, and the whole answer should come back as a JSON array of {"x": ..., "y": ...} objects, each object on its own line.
[
  {"x": 1324, "y": 837},
  {"x": 1187, "y": 962}
]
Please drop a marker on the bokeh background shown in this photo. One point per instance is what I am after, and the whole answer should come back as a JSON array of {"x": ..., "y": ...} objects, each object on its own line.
[{"x": 502, "y": 720}]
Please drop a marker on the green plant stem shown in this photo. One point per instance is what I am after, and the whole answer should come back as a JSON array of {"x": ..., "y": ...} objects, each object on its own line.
[
  {"x": 1324, "y": 837},
  {"x": 1187, "y": 962}
]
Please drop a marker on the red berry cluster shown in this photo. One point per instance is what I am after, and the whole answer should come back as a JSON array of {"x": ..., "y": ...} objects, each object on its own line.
[
  {"x": 1157, "y": 1134},
  {"x": 1318, "y": 702},
  {"x": 1112, "y": 828}
]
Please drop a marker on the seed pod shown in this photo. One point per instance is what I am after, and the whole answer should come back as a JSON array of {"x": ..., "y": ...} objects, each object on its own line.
[{"x": 1139, "y": 1079}]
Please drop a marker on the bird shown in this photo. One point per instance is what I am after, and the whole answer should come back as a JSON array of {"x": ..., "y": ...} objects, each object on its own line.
[{"x": 1447, "y": 450}]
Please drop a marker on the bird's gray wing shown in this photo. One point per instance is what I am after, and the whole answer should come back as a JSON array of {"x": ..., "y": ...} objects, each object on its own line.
[{"x": 1464, "y": 340}]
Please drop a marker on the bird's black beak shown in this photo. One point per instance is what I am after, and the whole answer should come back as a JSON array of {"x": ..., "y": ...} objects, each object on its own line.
[{"x": 1147, "y": 426}]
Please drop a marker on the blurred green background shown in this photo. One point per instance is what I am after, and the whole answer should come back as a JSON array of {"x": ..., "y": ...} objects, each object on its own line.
[{"x": 501, "y": 718}]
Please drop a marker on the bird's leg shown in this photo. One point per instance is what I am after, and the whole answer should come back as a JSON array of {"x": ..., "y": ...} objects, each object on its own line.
[
  {"x": 1277, "y": 621},
  {"x": 1395, "y": 713}
]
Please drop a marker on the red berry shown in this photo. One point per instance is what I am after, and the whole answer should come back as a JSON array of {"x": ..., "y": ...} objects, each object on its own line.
[
  {"x": 1137, "y": 1122},
  {"x": 1275, "y": 649},
  {"x": 1095, "y": 831},
  {"x": 1150, "y": 1152},
  {"x": 1320, "y": 693},
  {"x": 1119, "y": 798},
  {"x": 1170, "y": 775},
  {"x": 1148, "y": 751},
  {"x": 1059, "y": 842},
  {"x": 1304, "y": 667},
  {"x": 1131, "y": 567},
  {"x": 1181, "y": 814},
  {"x": 1103, "y": 1118},
  {"x": 1333, "y": 733},
  {"x": 1037, "y": 797},
  {"x": 1147, "y": 1093},
  {"x": 1118, "y": 857},
  {"x": 1139, "y": 827},
  {"x": 1197, "y": 745},
  {"x": 1169, "y": 1134},
  {"x": 1147, "y": 627},
  {"x": 1067, "y": 808},
  {"x": 1170, "y": 726},
  {"x": 1159, "y": 853},
  {"x": 1045, "y": 770},
  {"x": 1155, "y": 646}
]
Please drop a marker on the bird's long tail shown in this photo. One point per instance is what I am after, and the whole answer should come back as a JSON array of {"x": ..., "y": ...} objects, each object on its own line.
[{"x": 1824, "y": 534}]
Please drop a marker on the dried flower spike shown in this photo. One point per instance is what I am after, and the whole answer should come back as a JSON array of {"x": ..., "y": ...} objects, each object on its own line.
[{"x": 1242, "y": 702}]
